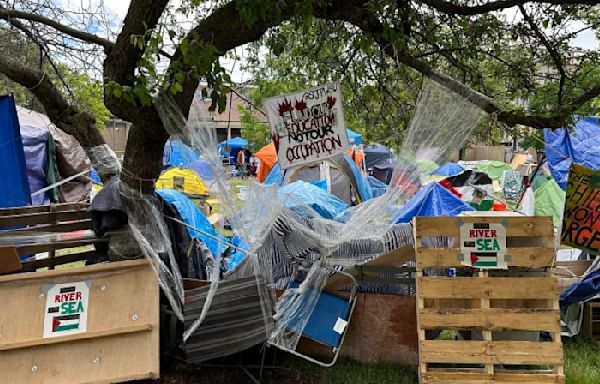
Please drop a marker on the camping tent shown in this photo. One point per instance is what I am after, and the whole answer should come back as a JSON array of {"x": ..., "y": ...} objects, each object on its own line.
[
  {"x": 300, "y": 195},
  {"x": 14, "y": 188},
  {"x": 66, "y": 157},
  {"x": 579, "y": 145},
  {"x": 178, "y": 154},
  {"x": 232, "y": 147},
  {"x": 448, "y": 169},
  {"x": 268, "y": 157},
  {"x": 353, "y": 137},
  {"x": 493, "y": 169},
  {"x": 550, "y": 201},
  {"x": 202, "y": 169},
  {"x": 181, "y": 179},
  {"x": 431, "y": 200},
  {"x": 41, "y": 170},
  {"x": 376, "y": 154},
  {"x": 346, "y": 180}
]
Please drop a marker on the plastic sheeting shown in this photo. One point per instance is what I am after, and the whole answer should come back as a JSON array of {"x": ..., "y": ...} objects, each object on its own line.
[
  {"x": 586, "y": 289},
  {"x": 431, "y": 200},
  {"x": 448, "y": 169},
  {"x": 579, "y": 144},
  {"x": 377, "y": 187},
  {"x": 14, "y": 187},
  {"x": 299, "y": 194},
  {"x": 493, "y": 169},
  {"x": 35, "y": 146},
  {"x": 550, "y": 201},
  {"x": 192, "y": 216},
  {"x": 177, "y": 154}
]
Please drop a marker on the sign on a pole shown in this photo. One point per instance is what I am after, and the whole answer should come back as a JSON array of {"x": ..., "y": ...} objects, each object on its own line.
[
  {"x": 308, "y": 126},
  {"x": 483, "y": 245}
]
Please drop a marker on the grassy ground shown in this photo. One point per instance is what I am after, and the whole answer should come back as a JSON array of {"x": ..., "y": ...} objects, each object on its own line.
[{"x": 582, "y": 361}]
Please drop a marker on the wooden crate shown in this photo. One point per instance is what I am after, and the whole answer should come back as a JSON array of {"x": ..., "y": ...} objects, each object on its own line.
[
  {"x": 122, "y": 336},
  {"x": 591, "y": 320},
  {"x": 30, "y": 230},
  {"x": 506, "y": 310}
]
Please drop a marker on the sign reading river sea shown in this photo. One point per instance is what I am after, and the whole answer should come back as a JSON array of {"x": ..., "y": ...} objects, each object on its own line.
[{"x": 308, "y": 126}]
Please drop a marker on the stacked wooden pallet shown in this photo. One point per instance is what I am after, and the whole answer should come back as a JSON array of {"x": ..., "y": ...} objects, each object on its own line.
[
  {"x": 501, "y": 313},
  {"x": 49, "y": 228}
]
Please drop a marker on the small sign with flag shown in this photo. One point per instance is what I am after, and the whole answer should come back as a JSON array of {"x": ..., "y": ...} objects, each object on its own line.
[
  {"x": 66, "y": 309},
  {"x": 483, "y": 245}
]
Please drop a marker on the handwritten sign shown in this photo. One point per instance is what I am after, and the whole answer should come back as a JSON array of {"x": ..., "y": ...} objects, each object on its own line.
[
  {"x": 308, "y": 126},
  {"x": 581, "y": 223},
  {"x": 483, "y": 245},
  {"x": 66, "y": 309}
]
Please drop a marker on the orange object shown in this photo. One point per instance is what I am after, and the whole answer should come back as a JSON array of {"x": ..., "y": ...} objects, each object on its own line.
[
  {"x": 268, "y": 157},
  {"x": 499, "y": 206},
  {"x": 358, "y": 156}
]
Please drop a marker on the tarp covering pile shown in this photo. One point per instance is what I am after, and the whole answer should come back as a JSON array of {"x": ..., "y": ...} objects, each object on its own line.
[
  {"x": 431, "y": 200},
  {"x": 299, "y": 194},
  {"x": 579, "y": 145}
]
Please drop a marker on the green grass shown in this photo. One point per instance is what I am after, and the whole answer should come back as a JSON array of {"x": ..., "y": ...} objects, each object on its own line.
[{"x": 582, "y": 361}]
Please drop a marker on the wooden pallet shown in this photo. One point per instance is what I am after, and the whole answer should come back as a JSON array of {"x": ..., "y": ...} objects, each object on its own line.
[
  {"x": 27, "y": 231},
  {"x": 503, "y": 311}
]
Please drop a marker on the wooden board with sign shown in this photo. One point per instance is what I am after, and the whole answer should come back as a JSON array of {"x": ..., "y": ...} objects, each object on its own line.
[
  {"x": 499, "y": 313},
  {"x": 95, "y": 324}
]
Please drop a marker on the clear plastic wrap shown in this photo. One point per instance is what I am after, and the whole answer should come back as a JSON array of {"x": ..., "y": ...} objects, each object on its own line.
[{"x": 104, "y": 160}]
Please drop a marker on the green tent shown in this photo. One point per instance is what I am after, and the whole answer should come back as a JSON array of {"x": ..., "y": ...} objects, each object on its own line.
[
  {"x": 550, "y": 201},
  {"x": 494, "y": 169},
  {"x": 426, "y": 165}
]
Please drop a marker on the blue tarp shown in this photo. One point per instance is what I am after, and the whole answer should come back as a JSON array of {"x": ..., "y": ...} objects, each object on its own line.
[
  {"x": 235, "y": 142},
  {"x": 580, "y": 145},
  {"x": 582, "y": 291},
  {"x": 191, "y": 215},
  {"x": 236, "y": 256},
  {"x": 14, "y": 187},
  {"x": 35, "y": 146},
  {"x": 378, "y": 187},
  {"x": 95, "y": 177},
  {"x": 448, "y": 169},
  {"x": 431, "y": 200},
  {"x": 300, "y": 194},
  {"x": 202, "y": 169},
  {"x": 353, "y": 137},
  {"x": 178, "y": 154}
]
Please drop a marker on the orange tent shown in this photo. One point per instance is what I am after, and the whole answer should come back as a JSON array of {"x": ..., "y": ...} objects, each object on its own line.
[
  {"x": 358, "y": 157},
  {"x": 268, "y": 157}
]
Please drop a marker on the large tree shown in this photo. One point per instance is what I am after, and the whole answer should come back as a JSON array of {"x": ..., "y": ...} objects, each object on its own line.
[{"x": 459, "y": 44}]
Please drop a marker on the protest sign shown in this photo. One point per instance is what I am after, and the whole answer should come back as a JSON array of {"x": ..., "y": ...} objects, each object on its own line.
[
  {"x": 66, "y": 309},
  {"x": 308, "y": 126},
  {"x": 483, "y": 245},
  {"x": 581, "y": 219}
]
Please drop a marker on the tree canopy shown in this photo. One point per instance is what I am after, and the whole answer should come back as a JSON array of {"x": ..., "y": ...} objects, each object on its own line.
[{"x": 512, "y": 58}]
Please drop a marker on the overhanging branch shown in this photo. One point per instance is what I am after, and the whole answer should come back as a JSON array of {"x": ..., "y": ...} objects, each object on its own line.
[{"x": 450, "y": 7}]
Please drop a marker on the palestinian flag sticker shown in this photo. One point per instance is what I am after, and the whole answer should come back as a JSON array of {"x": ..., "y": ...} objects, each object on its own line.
[
  {"x": 66, "y": 309},
  {"x": 483, "y": 245}
]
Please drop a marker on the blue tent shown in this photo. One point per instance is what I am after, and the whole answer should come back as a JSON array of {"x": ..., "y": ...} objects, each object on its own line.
[
  {"x": 14, "y": 187},
  {"x": 191, "y": 215},
  {"x": 375, "y": 154},
  {"x": 299, "y": 194},
  {"x": 353, "y": 137},
  {"x": 448, "y": 169},
  {"x": 202, "y": 169},
  {"x": 178, "y": 154},
  {"x": 236, "y": 142},
  {"x": 579, "y": 145},
  {"x": 431, "y": 200},
  {"x": 35, "y": 146}
]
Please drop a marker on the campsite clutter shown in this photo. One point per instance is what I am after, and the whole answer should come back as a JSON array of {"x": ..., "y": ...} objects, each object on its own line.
[{"x": 336, "y": 248}]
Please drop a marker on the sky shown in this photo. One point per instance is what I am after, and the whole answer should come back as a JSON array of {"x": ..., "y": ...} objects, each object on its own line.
[{"x": 586, "y": 40}]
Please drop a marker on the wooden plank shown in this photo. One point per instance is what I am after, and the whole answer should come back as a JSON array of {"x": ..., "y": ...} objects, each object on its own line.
[
  {"x": 82, "y": 336},
  {"x": 526, "y": 226},
  {"x": 60, "y": 227},
  {"x": 491, "y": 352},
  {"x": 9, "y": 260},
  {"x": 42, "y": 218},
  {"x": 30, "y": 249},
  {"x": 32, "y": 265},
  {"x": 493, "y": 319},
  {"x": 43, "y": 208},
  {"x": 496, "y": 378},
  {"x": 519, "y": 257},
  {"x": 488, "y": 288}
]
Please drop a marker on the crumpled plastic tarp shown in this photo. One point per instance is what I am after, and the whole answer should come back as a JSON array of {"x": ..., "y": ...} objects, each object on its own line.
[
  {"x": 431, "y": 200},
  {"x": 579, "y": 145},
  {"x": 299, "y": 194}
]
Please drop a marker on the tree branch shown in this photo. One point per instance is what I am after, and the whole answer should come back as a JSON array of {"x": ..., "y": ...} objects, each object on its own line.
[
  {"x": 450, "y": 7},
  {"x": 7, "y": 14}
]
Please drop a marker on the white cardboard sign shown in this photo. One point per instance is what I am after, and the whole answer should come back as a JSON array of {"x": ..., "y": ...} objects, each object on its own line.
[
  {"x": 308, "y": 126},
  {"x": 483, "y": 245},
  {"x": 66, "y": 309}
]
